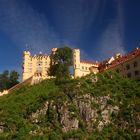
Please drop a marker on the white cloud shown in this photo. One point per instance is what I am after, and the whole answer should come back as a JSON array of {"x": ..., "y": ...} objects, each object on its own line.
[
  {"x": 111, "y": 40},
  {"x": 26, "y": 26}
]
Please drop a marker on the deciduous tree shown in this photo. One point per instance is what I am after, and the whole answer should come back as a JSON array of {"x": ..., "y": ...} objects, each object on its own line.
[
  {"x": 61, "y": 61},
  {"x": 8, "y": 79}
]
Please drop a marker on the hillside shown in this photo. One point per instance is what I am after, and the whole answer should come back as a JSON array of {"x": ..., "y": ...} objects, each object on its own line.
[{"x": 106, "y": 106}]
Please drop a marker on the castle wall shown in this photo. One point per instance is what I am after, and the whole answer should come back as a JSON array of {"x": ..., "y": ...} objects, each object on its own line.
[
  {"x": 85, "y": 69},
  {"x": 130, "y": 68},
  {"x": 37, "y": 66},
  {"x": 81, "y": 67}
]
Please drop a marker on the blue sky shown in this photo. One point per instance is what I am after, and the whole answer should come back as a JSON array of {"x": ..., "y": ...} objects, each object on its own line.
[{"x": 100, "y": 28}]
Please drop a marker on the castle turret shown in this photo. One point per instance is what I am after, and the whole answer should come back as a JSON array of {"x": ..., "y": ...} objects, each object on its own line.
[
  {"x": 76, "y": 62},
  {"x": 26, "y": 62}
]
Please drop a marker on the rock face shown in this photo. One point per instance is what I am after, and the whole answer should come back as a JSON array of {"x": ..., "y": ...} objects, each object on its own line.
[
  {"x": 92, "y": 111},
  {"x": 67, "y": 121},
  {"x": 34, "y": 117},
  {"x": 1, "y": 127}
]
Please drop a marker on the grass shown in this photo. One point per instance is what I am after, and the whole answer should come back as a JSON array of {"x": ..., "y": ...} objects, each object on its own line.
[{"x": 16, "y": 107}]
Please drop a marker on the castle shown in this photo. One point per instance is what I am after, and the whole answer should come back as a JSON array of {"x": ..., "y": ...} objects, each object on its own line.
[
  {"x": 128, "y": 65},
  {"x": 37, "y": 66}
]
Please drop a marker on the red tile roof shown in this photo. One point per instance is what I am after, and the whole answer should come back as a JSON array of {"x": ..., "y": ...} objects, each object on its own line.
[
  {"x": 89, "y": 62},
  {"x": 126, "y": 57}
]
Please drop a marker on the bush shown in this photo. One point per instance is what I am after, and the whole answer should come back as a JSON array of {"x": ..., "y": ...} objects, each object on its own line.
[{"x": 54, "y": 136}]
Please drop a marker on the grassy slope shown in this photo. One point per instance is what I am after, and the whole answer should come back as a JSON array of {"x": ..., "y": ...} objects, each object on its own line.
[{"x": 17, "y": 106}]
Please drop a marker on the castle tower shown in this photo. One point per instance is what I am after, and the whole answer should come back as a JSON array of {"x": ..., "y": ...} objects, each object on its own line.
[
  {"x": 76, "y": 62},
  {"x": 26, "y": 62}
]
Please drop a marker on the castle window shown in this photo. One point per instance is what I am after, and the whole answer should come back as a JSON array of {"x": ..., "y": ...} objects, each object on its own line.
[
  {"x": 127, "y": 66},
  {"x": 86, "y": 68},
  {"x": 129, "y": 75},
  {"x": 136, "y": 73},
  {"x": 83, "y": 67},
  {"x": 135, "y": 64},
  {"x": 39, "y": 63}
]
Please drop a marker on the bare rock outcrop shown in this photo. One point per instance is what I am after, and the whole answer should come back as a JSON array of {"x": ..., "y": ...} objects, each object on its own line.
[
  {"x": 34, "y": 117},
  {"x": 93, "y": 111}
]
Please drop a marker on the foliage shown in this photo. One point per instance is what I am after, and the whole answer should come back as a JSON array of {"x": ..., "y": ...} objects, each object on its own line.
[
  {"x": 8, "y": 79},
  {"x": 54, "y": 136},
  {"x": 75, "y": 134},
  {"x": 17, "y": 106},
  {"x": 61, "y": 61}
]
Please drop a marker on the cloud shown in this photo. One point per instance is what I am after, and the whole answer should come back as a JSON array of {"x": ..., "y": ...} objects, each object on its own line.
[
  {"x": 111, "y": 40},
  {"x": 26, "y": 26},
  {"x": 71, "y": 20},
  {"x": 73, "y": 17}
]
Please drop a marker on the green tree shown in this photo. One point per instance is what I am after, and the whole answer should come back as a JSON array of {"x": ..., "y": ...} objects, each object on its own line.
[
  {"x": 4, "y": 80},
  {"x": 13, "y": 78},
  {"x": 8, "y": 79},
  {"x": 61, "y": 62}
]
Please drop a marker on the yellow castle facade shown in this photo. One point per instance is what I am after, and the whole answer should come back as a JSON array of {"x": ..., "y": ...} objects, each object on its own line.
[
  {"x": 38, "y": 66},
  {"x": 83, "y": 67}
]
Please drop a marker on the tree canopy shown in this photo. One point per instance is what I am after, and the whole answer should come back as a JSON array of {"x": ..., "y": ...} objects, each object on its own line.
[
  {"x": 8, "y": 79},
  {"x": 61, "y": 61}
]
